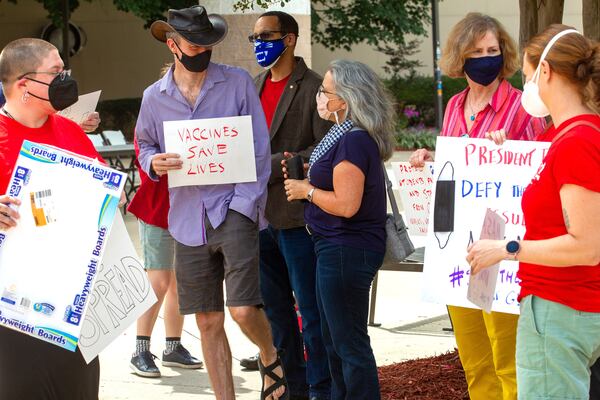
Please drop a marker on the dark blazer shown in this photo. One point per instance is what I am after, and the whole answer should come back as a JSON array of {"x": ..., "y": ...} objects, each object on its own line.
[{"x": 296, "y": 128}]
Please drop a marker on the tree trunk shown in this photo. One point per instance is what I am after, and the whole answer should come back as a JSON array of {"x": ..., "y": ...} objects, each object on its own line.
[
  {"x": 536, "y": 15},
  {"x": 550, "y": 12},
  {"x": 591, "y": 19},
  {"x": 528, "y": 18}
]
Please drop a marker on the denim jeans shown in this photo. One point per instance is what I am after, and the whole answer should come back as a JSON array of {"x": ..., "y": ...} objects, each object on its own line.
[
  {"x": 344, "y": 276},
  {"x": 288, "y": 269},
  {"x": 595, "y": 382}
]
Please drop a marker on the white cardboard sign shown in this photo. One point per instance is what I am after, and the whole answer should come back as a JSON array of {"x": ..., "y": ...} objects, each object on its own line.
[
  {"x": 213, "y": 150},
  {"x": 49, "y": 261},
  {"x": 485, "y": 176},
  {"x": 415, "y": 192},
  {"x": 122, "y": 293},
  {"x": 86, "y": 105}
]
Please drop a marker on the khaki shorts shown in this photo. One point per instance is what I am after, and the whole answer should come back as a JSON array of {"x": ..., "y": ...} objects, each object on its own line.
[
  {"x": 158, "y": 247},
  {"x": 231, "y": 254}
]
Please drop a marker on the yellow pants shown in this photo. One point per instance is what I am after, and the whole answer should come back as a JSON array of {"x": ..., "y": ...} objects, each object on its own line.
[{"x": 486, "y": 346}]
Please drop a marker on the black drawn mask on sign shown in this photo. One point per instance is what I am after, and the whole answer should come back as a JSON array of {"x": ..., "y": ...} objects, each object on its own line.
[{"x": 443, "y": 212}]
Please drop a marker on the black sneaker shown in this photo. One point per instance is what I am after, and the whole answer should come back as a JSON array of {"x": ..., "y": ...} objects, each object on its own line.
[
  {"x": 181, "y": 358},
  {"x": 250, "y": 363},
  {"x": 143, "y": 365}
]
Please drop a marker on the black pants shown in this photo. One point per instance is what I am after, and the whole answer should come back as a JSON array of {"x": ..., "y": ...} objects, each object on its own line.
[
  {"x": 595, "y": 382},
  {"x": 35, "y": 370}
]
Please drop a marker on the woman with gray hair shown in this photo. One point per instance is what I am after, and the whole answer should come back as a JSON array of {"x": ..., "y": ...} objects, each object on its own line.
[{"x": 345, "y": 214}]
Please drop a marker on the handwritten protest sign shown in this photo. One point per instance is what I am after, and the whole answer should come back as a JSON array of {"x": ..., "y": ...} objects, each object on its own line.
[
  {"x": 482, "y": 286},
  {"x": 415, "y": 192},
  {"x": 122, "y": 293},
  {"x": 86, "y": 105},
  {"x": 470, "y": 176},
  {"x": 213, "y": 150},
  {"x": 49, "y": 261}
]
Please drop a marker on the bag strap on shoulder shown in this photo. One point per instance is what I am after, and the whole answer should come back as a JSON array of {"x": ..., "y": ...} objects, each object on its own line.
[
  {"x": 390, "y": 193},
  {"x": 572, "y": 125}
]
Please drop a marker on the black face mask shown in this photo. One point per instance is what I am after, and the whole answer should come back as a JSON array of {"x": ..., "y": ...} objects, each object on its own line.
[
  {"x": 197, "y": 63},
  {"x": 62, "y": 92}
]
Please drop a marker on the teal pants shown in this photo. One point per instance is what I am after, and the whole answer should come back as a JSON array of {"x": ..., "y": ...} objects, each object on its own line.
[{"x": 556, "y": 346}]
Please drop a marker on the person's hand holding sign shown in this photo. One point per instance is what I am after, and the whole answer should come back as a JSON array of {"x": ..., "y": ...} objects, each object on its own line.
[
  {"x": 419, "y": 157},
  {"x": 164, "y": 162},
  {"x": 91, "y": 122},
  {"x": 497, "y": 137},
  {"x": 8, "y": 216}
]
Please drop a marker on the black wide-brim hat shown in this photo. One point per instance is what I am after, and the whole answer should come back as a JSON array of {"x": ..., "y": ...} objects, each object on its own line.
[{"x": 193, "y": 24}]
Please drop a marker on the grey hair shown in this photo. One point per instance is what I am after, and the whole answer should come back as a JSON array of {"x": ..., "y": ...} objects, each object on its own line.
[
  {"x": 173, "y": 35},
  {"x": 368, "y": 103}
]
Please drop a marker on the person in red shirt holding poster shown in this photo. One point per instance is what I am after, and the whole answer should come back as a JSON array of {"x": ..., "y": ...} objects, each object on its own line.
[
  {"x": 557, "y": 335},
  {"x": 36, "y": 86}
]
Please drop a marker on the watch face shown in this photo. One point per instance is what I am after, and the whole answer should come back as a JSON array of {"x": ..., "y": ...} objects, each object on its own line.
[{"x": 513, "y": 246}]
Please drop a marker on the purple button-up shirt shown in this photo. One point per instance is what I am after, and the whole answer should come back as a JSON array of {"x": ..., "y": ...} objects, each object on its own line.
[{"x": 227, "y": 92}]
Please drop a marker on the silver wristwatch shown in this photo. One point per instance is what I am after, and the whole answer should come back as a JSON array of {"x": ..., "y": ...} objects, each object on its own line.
[{"x": 309, "y": 195}]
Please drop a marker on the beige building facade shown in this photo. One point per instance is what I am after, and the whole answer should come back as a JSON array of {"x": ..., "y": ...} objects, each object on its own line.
[
  {"x": 450, "y": 11},
  {"x": 121, "y": 57}
]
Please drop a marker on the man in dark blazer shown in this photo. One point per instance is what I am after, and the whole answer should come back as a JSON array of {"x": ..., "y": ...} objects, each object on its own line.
[{"x": 287, "y": 90}]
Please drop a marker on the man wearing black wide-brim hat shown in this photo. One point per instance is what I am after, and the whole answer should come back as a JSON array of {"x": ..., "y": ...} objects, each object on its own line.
[{"x": 215, "y": 227}]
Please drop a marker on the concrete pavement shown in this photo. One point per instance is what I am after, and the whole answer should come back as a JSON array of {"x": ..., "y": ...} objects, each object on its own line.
[{"x": 404, "y": 334}]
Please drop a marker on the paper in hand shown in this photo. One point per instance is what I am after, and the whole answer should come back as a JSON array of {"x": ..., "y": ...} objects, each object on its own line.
[
  {"x": 86, "y": 105},
  {"x": 482, "y": 287}
]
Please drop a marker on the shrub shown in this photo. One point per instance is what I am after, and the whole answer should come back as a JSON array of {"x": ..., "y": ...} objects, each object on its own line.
[
  {"x": 418, "y": 93},
  {"x": 416, "y": 138}
]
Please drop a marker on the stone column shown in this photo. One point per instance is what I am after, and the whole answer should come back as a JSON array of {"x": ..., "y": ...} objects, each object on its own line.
[{"x": 236, "y": 50}]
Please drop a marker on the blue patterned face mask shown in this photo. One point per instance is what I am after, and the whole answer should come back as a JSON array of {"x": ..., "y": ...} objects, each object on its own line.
[{"x": 267, "y": 52}]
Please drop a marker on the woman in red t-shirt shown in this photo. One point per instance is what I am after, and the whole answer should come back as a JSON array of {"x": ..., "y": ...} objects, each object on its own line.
[
  {"x": 36, "y": 87},
  {"x": 558, "y": 336}
]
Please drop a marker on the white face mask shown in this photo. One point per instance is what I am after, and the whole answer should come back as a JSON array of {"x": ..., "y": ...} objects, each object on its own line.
[
  {"x": 322, "y": 101},
  {"x": 530, "y": 99}
]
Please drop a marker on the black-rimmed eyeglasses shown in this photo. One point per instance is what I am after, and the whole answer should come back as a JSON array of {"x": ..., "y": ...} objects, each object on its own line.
[
  {"x": 322, "y": 90},
  {"x": 264, "y": 36}
]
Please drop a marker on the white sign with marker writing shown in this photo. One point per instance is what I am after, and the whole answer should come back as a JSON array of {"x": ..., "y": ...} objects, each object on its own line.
[
  {"x": 415, "y": 192},
  {"x": 122, "y": 293},
  {"x": 213, "y": 150},
  {"x": 481, "y": 175}
]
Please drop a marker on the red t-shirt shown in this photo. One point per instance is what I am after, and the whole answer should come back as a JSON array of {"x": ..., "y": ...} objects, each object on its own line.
[
  {"x": 151, "y": 201},
  {"x": 57, "y": 131},
  {"x": 270, "y": 96},
  {"x": 573, "y": 159}
]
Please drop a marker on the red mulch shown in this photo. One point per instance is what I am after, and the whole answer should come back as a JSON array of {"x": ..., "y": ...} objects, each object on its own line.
[{"x": 434, "y": 378}]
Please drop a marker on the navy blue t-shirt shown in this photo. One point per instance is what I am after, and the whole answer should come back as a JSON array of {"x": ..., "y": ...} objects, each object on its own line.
[{"x": 366, "y": 228}]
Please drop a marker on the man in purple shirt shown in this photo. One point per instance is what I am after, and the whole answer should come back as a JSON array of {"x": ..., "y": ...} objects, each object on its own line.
[{"x": 215, "y": 226}]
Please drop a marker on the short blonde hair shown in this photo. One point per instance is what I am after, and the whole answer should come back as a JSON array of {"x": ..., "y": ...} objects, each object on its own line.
[
  {"x": 21, "y": 56},
  {"x": 462, "y": 39}
]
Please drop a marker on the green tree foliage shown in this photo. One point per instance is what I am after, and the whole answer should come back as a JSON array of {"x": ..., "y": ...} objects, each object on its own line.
[
  {"x": 384, "y": 24},
  {"x": 148, "y": 10},
  {"x": 151, "y": 10}
]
